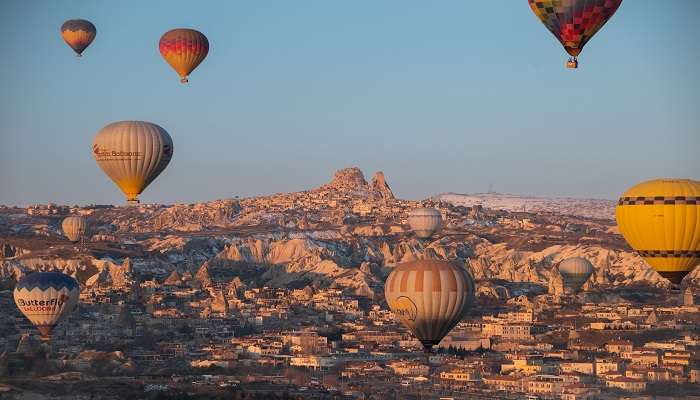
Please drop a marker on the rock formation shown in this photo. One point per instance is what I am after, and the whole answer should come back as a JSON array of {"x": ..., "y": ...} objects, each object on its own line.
[
  {"x": 380, "y": 188},
  {"x": 348, "y": 179}
]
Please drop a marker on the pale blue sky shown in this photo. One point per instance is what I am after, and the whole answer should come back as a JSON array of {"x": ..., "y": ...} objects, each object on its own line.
[{"x": 441, "y": 96}]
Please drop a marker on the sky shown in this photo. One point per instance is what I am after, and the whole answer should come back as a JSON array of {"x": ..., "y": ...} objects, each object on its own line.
[{"x": 448, "y": 96}]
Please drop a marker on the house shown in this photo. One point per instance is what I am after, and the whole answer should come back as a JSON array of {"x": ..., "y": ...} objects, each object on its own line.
[
  {"x": 545, "y": 384},
  {"x": 605, "y": 365},
  {"x": 617, "y": 347},
  {"x": 628, "y": 384},
  {"x": 461, "y": 375},
  {"x": 504, "y": 382},
  {"x": 583, "y": 367},
  {"x": 409, "y": 368}
]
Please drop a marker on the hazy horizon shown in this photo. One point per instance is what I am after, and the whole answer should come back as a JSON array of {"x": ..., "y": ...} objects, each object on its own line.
[{"x": 437, "y": 96}]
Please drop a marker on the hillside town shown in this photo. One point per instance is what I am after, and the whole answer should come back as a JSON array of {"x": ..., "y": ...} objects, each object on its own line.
[{"x": 282, "y": 296}]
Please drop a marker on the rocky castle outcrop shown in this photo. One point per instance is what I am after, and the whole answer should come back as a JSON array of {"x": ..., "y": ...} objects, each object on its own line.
[{"x": 352, "y": 180}]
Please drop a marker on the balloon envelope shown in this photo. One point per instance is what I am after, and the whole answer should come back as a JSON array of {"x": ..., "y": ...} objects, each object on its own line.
[
  {"x": 574, "y": 22},
  {"x": 429, "y": 297},
  {"x": 74, "y": 227},
  {"x": 660, "y": 219},
  {"x": 132, "y": 154},
  {"x": 575, "y": 271},
  {"x": 46, "y": 298},
  {"x": 184, "y": 50},
  {"x": 78, "y": 34},
  {"x": 424, "y": 221}
]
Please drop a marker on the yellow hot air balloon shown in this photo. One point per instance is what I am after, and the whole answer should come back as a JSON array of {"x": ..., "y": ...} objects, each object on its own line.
[
  {"x": 429, "y": 297},
  {"x": 132, "y": 154},
  {"x": 660, "y": 219},
  {"x": 74, "y": 227},
  {"x": 46, "y": 298}
]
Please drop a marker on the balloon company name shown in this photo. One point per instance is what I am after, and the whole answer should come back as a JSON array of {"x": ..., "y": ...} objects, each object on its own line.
[
  {"x": 104, "y": 154},
  {"x": 405, "y": 308},
  {"x": 41, "y": 305}
]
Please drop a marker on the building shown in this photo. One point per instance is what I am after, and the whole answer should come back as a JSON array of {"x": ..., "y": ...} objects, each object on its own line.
[
  {"x": 627, "y": 384},
  {"x": 513, "y": 332},
  {"x": 409, "y": 368},
  {"x": 504, "y": 382},
  {"x": 314, "y": 362},
  {"x": 461, "y": 375},
  {"x": 545, "y": 384},
  {"x": 605, "y": 365},
  {"x": 641, "y": 357},
  {"x": 619, "y": 346}
]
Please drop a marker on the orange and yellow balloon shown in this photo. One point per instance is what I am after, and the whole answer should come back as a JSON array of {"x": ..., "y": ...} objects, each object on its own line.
[
  {"x": 184, "y": 50},
  {"x": 429, "y": 297},
  {"x": 660, "y": 219},
  {"x": 78, "y": 34}
]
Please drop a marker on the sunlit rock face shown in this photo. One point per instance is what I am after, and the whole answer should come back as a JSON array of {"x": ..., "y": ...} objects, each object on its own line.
[
  {"x": 348, "y": 179},
  {"x": 380, "y": 188}
]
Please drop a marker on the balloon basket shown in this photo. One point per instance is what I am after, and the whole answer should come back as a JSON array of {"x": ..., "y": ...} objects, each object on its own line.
[
  {"x": 133, "y": 203},
  {"x": 572, "y": 63},
  {"x": 184, "y": 80}
]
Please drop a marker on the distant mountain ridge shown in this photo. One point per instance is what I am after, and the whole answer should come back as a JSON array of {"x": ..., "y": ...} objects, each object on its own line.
[{"x": 587, "y": 208}]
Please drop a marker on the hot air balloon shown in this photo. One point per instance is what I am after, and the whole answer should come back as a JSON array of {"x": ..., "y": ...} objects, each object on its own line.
[
  {"x": 46, "y": 298},
  {"x": 575, "y": 271},
  {"x": 184, "y": 50},
  {"x": 424, "y": 221},
  {"x": 78, "y": 33},
  {"x": 132, "y": 154},
  {"x": 574, "y": 22},
  {"x": 74, "y": 227},
  {"x": 429, "y": 297},
  {"x": 660, "y": 219}
]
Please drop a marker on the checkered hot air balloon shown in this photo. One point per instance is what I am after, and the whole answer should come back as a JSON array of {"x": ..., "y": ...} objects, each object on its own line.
[
  {"x": 574, "y": 22},
  {"x": 184, "y": 50},
  {"x": 78, "y": 34},
  {"x": 46, "y": 298},
  {"x": 660, "y": 219},
  {"x": 429, "y": 297}
]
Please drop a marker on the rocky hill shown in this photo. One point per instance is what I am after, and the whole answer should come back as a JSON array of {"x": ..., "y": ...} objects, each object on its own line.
[
  {"x": 346, "y": 234},
  {"x": 352, "y": 180}
]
